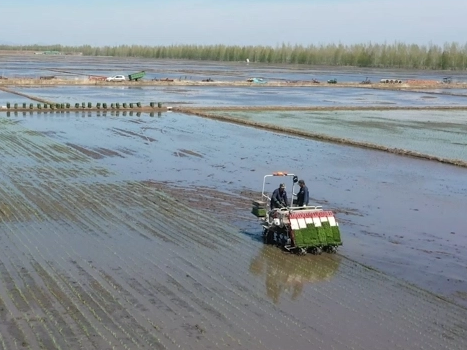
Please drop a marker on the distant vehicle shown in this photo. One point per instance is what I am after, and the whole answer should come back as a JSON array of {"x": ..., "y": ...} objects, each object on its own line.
[
  {"x": 136, "y": 76},
  {"x": 256, "y": 80},
  {"x": 391, "y": 81},
  {"x": 116, "y": 78},
  {"x": 332, "y": 81}
]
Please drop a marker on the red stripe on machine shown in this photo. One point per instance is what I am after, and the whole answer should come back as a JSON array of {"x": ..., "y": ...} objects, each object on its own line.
[{"x": 317, "y": 214}]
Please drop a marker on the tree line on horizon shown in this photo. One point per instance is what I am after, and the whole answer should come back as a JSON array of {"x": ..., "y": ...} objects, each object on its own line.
[{"x": 450, "y": 56}]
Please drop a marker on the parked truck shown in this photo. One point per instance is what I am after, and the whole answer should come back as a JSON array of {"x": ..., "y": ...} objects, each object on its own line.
[
  {"x": 131, "y": 77},
  {"x": 136, "y": 76}
]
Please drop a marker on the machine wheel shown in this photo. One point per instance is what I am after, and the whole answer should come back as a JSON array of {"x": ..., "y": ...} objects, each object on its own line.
[
  {"x": 316, "y": 250},
  {"x": 331, "y": 249},
  {"x": 302, "y": 251},
  {"x": 268, "y": 237}
]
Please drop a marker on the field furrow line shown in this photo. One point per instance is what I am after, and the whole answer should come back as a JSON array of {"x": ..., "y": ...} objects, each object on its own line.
[
  {"x": 88, "y": 301},
  {"x": 98, "y": 227},
  {"x": 429, "y": 303},
  {"x": 59, "y": 290},
  {"x": 436, "y": 315},
  {"x": 2, "y": 341},
  {"x": 127, "y": 201},
  {"x": 48, "y": 306},
  {"x": 58, "y": 235},
  {"x": 173, "y": 308},
  {"x": 42, "y": 314},
  {"x": 104, "y": 297},
  {"x": 53, "y": 294},
  {"x": 141, "y": 195},
  {"x": 79, "y": 300},
  {"x": 203, "y": 309},
  {"x": 32, "y": 319},
  {"x": 40, "y": 149},
  {"x": 121, "y": 285},
  {"x": 84, "y": 322},
  {"x": 105, "y": 320},
  {"x": 10, "y": 331}
]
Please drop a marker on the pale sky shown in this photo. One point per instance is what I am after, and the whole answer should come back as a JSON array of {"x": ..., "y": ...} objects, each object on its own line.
[{"x": 234, "y": 22}]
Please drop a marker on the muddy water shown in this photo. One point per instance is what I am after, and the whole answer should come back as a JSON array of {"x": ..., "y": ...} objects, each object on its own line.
[
  {"x": 402, "y": 215},
  {"x": 93, "y": 257}
]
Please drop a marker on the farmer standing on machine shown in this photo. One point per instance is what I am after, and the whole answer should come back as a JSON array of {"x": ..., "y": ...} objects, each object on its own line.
[
  {"x": 303, "y": 196},
  {"x": 279, "y": 197}
]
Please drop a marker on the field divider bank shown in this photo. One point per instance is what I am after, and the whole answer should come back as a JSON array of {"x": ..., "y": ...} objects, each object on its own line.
[
  {"x": 153, "y": 107},
  {"x": 62, "y": 81},
  {"x": 203, "y": 112},
  {"x": 34, "y": 98}
]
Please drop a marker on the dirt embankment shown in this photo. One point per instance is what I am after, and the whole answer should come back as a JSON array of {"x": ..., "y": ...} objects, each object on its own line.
[{"x": 7, "y": 81}]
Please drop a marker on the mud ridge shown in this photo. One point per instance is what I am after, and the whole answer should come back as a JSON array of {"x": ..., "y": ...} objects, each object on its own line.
[
  {"x": 317, "y": 108},
  {"x": 34, "y": 98}
]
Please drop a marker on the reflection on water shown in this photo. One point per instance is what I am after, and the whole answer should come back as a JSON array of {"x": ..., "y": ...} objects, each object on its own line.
[{"x": 288, "y": 274}]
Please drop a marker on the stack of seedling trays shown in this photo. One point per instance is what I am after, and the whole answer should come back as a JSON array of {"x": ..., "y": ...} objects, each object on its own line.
[
  {"x": 259, "y": 209},
  {"x": 316, "y": 231}
]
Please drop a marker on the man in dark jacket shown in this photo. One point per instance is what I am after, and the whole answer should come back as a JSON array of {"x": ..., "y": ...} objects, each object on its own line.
[
  {"x": 279, "y": 197},
  {"x": 303, "y": 197}
]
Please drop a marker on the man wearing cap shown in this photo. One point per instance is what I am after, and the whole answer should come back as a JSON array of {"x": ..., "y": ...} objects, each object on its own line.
[
  {"x": 279, "y": 197},
  {"x": 303, "y": 197}
]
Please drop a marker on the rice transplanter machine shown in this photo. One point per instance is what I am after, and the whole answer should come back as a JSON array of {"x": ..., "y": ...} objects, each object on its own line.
[{"x": 298, "y": 229}]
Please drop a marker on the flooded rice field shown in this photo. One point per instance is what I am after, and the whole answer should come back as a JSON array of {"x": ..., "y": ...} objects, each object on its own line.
[
  {"x": 240, "y": 96},
  {"x": 135, "y": 232},
  {"x": 437, "y": 133}
]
